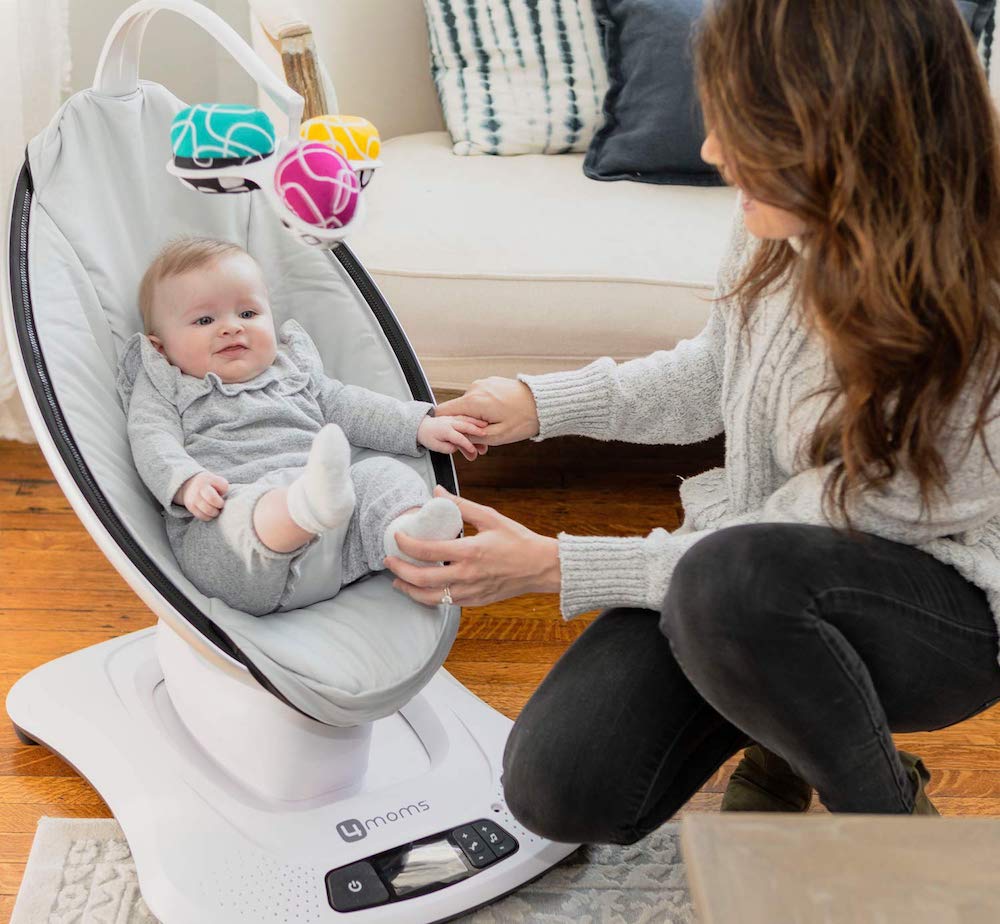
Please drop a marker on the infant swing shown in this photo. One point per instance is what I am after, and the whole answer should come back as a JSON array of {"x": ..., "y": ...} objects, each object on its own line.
[{"x": 311, "y": 765}]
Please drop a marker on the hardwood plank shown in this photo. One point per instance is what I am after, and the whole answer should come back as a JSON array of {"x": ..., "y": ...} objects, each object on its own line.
[
  {"x": 506, "y": 652},
  {"x": 967, "y": 805},
  {"x": 981, "y": 734},
  {"x": 110, "y": 622},
  {"x": 45, "y": 547},
  {"x": 51, "y": 522},
  {"x": 23, "y": 461},
  {"x": 960, "y": 783},
  {"x": 14, "y": 847},
  {"x": 11, "y": 875},
  {"x": 114, "y": 595},
  {"x": 33, "y": 577},
  {"x": 530, "y": 606},
  {"x": 480, "y": 675},
  {"x": 46, "y": 790},
  {"x": 481, "y": 625},
  {"x": 23, "y": 819},
  {"x": 32, "y": 761}
]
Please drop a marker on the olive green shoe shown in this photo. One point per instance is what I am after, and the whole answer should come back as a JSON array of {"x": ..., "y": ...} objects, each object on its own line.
[
  {"x": 763, "y": 782},
  {"x": 921, "y": 776}
]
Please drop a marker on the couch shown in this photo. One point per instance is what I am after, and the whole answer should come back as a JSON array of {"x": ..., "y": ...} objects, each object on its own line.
[{"x": 496, "y": 265}]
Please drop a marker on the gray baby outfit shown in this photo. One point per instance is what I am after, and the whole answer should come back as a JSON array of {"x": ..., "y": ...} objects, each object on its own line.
[{"x": 257, "y": 435}]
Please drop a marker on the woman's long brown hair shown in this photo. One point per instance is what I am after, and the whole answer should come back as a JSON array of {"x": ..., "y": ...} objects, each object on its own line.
[{"x": 871, "y": 120}]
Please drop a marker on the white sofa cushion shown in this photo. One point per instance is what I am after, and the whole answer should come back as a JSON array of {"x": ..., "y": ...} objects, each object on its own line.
[{"x": 499, "y": 265}]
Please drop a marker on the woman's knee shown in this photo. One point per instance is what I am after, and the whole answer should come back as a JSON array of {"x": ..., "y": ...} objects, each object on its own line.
[
  {"x": 558, "y": 793},
  {"x": 730, "y": 581}
]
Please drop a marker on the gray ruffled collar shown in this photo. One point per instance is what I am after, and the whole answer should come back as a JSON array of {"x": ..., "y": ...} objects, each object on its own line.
[{"x": 182, "y": 390}]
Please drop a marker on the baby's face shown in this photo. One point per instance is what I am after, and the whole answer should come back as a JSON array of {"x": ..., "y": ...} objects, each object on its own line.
[{"x": 216, "y": 319}]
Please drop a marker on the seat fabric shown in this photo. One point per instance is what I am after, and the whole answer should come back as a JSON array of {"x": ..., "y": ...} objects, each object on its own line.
[{"x": 103, "y": 206}]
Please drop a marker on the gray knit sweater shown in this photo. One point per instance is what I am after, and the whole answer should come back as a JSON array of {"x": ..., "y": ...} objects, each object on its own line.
[{"x": 752, "y": 389}]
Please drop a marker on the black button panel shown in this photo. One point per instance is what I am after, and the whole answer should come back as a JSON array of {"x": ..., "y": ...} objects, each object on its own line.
[
  {"x": 498, "y": 840},
  {"x": 369, "y": 882},
  {"x": 474, "y": 847},
  {"x": 354, "y": 887}
]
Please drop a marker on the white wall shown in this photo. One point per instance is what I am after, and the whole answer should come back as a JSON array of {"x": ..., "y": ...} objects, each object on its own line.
[{"x": 175, "y": 52}]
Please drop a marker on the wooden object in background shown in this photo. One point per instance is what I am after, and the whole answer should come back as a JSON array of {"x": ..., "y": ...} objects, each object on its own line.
[
  {"x": 842, "y": 869},
  {"x": 299, "y": 61},
  {"x": 301, "y": 66}
]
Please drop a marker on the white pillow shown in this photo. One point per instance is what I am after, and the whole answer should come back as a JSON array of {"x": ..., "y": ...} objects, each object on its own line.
[{"x": 517, "y": 76}]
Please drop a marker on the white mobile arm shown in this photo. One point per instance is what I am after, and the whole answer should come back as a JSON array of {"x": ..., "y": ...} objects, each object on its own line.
[{"x": 118, "y": 68}]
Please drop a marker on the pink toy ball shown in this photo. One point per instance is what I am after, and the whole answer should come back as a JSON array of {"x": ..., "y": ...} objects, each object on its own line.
[{"x": 318, "y": 185}]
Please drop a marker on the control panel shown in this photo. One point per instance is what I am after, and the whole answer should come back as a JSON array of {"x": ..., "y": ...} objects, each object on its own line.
[{"x": 419, "y": 867}]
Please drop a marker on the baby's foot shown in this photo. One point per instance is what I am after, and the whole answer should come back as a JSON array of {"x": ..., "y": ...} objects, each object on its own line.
[
  {"x": 322, "y": 497},
  {"x": 439, "y": 518}
]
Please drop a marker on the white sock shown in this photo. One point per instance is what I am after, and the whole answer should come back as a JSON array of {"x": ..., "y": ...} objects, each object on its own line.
[
  {"x": 439, "y": 518},
  {"x": 322, "y": 497}
]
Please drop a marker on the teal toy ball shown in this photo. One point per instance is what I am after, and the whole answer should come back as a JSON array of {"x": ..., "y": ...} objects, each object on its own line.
[
  {"x": 209, "y": 137},
  {"x": 208, "y": 133}
]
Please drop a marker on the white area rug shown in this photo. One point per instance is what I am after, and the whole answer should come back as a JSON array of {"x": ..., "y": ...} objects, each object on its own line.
[{"x": 81, "y": 872}]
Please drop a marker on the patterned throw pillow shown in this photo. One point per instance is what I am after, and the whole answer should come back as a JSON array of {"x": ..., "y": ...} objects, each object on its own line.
[{"x": 517, "y": 76}]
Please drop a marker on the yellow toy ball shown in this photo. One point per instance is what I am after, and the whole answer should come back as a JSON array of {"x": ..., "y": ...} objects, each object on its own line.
[{"x": 353, "y": 137}]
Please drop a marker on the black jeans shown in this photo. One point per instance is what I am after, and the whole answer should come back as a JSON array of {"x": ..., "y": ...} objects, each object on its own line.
[{"x": 814, "y": 644}]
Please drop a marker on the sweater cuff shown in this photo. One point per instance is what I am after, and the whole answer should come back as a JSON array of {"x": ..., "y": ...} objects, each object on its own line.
[
  {"x": 414, "y": 413},
  {"x": 176, "y": 479},
  {"x": 573, "y": 403},
  {"x": 600, "y": 572}
]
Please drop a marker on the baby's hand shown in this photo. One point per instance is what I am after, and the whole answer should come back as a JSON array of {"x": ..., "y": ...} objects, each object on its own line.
[
  {"x": 446, "y": 434},
  {"x": 203, "y": 495}
]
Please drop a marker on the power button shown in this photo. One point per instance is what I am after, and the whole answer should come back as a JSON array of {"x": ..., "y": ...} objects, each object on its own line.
[{"x": 353, "y": 887}]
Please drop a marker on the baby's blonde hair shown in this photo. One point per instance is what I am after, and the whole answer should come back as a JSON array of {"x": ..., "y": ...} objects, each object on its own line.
[{"x": 177, "y": 257}]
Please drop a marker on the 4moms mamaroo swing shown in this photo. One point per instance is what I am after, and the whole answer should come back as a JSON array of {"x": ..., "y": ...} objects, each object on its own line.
[{"x": 308, "y": 766}]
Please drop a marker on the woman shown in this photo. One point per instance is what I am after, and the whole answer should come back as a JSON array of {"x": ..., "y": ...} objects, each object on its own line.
[{"x": 839, "y": 579}]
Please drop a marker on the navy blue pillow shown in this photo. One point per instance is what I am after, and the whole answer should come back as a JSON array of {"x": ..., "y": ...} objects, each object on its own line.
[{"x": 653, "y": 126}]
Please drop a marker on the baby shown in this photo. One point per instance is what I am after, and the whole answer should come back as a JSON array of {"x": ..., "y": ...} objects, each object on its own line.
[{"x": 246, "y": 442}]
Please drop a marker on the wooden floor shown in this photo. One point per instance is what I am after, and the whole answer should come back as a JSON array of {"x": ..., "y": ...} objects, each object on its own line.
[{"x": 60, "y": 594}]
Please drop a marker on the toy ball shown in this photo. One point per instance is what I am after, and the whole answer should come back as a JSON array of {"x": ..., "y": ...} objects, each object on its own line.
[
  {"x": 210, "y": 132},
  {"x": 353, "y": 137},
  {"x": 318, "y": 185},
  {"x": 213, "y": 136}
]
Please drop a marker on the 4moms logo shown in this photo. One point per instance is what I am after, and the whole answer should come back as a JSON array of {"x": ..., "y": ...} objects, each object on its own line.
[{"x": 353, "y": 829}]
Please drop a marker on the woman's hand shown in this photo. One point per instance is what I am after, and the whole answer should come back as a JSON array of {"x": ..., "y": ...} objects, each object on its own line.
[
  {"x": 507, "y": 405},
  {"x": 502, "y": 560}
]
